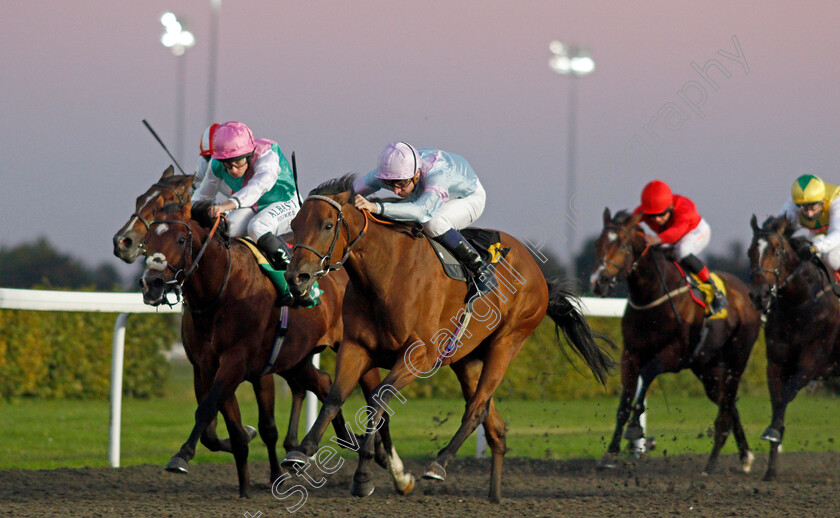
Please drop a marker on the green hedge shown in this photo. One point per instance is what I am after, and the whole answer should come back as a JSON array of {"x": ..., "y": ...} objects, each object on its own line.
[
  {"x": 542, "y": 371},
  {"x": 68, "y": 354}
]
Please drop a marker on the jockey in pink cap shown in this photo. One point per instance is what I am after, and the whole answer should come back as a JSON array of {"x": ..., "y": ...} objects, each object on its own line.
[
  {"x": 440, "y": 190},
  {"x": 263, "y": 197}
]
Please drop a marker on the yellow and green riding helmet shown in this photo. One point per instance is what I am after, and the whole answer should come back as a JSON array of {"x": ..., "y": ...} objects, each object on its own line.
[{"x": 808, "y": 189}]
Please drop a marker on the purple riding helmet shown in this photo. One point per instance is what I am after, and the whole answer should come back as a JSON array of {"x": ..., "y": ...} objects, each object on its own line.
[{"x": 398, "y": 161}]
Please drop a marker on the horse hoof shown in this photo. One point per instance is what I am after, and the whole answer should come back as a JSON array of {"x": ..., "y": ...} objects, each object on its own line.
[
  {"x": 251, "y": 431},
  {"x": 294, "y": 458},
  {"x": 772, "y": 435},
  {"x": 769, "y": 477},
  {"x": 361, "y": 489},
  {"x": 408, "y": 488},
  {"x": 747, "y": 462},
  {"x": 608, "y": 461},
  {"x": 177, "y": 465},
  {"x": 634, "y": 433},
  {"x": 435, "y": 472}
]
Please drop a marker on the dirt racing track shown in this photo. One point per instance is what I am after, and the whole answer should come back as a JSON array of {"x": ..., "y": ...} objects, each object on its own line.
[{"x": 809, "y": 485}]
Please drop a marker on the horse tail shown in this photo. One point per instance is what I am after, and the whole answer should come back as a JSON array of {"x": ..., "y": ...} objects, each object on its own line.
[{"x": 564, "y": 309}]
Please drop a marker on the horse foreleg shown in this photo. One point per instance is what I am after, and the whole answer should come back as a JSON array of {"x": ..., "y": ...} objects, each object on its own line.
[
  {"x": 468, "y": 373},
  {"x": 629, "y": 383},
  {"x": 264, "y": 392},
  {"x": 291, "y": 442},
  {"x": 319, "y": 383},
  {"x": 209, "y": 438},
  {"x": 377, "y": 404},
  {"x": 648, "y": 373},
  {"x": 228, "y": 376},
  {"x": 351, "y": 362},
  {"x": 385, "y": 454}
]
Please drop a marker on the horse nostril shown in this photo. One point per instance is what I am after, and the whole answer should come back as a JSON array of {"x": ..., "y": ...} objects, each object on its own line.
[{"x": 126, "y": 242}]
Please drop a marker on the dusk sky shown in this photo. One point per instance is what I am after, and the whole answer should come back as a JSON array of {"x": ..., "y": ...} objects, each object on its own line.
[{"x": 336, "y": 81}]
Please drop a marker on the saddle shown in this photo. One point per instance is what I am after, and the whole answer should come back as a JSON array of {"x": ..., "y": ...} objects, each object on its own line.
[
  {"x": 276, "y": 276},
  {"x": 703, "y": 292},
  {"x": 486, "y": 242}
]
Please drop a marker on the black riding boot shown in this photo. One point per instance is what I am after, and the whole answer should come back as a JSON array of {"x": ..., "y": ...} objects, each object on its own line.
[
  {"x": 483, "y": 275},
  {"x": 276, "y": 250}
]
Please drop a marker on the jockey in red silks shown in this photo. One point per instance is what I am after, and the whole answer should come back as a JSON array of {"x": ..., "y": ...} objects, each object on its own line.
[{"x": 674, "y": 220}]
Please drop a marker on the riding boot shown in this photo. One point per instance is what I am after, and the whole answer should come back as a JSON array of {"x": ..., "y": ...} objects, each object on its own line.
[
  {"x": 719, "y": 301},
  {"x": 276, "y": 250},
  {"x": 483, "y": 275}
]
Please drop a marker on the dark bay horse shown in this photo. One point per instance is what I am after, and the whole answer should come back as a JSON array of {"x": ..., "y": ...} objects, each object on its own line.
[
  {"x": 229, "y": 329},
  {"x": 401, "y": 312},
  {"x": 663, "y": 326},
  {"x": 803, "y": 321}
]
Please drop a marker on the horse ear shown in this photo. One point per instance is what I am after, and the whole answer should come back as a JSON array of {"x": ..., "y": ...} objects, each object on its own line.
[
  {"x": 754, "y": 224},
  {"x": 636, "y": 219},
  {"x": 168, "y": 172},
  {"x": 782, "y": 225},
  {"x": 188, "y": 182},
  {"x": 343, "y": 197},
  {"x": 607, "y": 216}
]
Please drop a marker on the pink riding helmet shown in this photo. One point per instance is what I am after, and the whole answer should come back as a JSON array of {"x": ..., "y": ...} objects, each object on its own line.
[
  {"x": 397, "y": 162},
  {"x": 231, "y": 140}
]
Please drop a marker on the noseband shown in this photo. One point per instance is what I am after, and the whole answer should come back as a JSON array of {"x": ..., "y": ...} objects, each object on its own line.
[
  {"x": 625, "y": 269},
  {"x": 326, "y": 265}
]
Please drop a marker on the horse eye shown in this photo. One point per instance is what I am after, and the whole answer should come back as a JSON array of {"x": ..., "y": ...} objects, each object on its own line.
[
  {"x": 182, "y": 240},
  {"x": 328, "y": 226}
]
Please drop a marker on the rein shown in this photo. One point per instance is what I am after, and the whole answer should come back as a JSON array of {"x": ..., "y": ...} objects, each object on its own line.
[{"x": 326, "y": 265}]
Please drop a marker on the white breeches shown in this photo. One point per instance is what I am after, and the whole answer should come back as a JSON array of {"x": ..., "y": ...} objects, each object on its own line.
[
  {"x": 832, "y": 258},
  {"x": 694, "y": 242},
  {"x": 457, "y": 214},
  {"x": 275, "y": 218}
]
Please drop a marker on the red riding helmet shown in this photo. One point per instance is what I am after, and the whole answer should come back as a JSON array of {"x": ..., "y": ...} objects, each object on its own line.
[{"x": 656, "y": 197}]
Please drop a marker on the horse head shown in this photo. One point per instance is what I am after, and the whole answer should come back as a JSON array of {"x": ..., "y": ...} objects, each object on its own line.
[
  {"x": 320, "y": 244},
  {"x": 772, "y": 259},
  {"x": 617, "y": 250},
  {"x": 170, "y": 245},
  {"x": 170, "y": 188}
]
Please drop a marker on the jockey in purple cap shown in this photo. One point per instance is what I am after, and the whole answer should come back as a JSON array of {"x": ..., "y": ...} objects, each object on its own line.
[
  {"x": 440, "y": 190},
  {"x": 263, "y": 199}
]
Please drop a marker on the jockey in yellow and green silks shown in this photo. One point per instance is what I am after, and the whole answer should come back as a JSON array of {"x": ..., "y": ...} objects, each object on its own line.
[{"x": 812, "y": 207}]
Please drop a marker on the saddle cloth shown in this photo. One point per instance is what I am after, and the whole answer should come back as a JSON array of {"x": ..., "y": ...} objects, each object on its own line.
[
  {"x": 708, "y": 293},
  {"x": 276, "y": 276}
]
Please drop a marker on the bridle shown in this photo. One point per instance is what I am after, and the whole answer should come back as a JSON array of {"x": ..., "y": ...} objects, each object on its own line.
[
  {"x": 175, "y": 285},
  {"x": 623, "y": 270},
  {"x": 326, "y": 265},
  {"x": 781, "y": 253},
  {"x": 165, "y": 187}
]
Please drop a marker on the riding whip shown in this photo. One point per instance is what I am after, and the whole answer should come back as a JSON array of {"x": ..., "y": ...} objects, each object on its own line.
[{"x": 164, "y": 146}]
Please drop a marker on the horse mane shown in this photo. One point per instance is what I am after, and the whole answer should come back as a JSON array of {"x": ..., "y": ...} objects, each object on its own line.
[
  {"x": 772, "y": 224},
  {"x": 201, "y": 215},
  {"x": 336, "y": 186},
  {"x": 621, "y": 217}
]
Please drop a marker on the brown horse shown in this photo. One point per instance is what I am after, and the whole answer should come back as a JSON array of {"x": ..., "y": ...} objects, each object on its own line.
[
  {"x": 663, "y": 326},
  {"x": 229, "y": 330},
  {"x": 803, "y": 321},
  {"x": 171, "y": 188},
  {"x": 400, "y": 310}
]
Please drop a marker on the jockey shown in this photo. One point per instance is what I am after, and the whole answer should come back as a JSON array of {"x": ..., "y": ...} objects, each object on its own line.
[
  {"x": 264, "y": 198},
  {"x": 440, "y": 190},
  {"x": 811, "y": 207},
  {"x": 674, "y": 219}
]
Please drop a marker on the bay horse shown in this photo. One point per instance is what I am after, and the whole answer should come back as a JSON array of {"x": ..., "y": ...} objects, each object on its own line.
[
  {"x": 663, "y": 326},
  {"x": 229, "y": 328},
  {"x": 401, "y": 313},
  {"x": 803, "y": 321}
]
